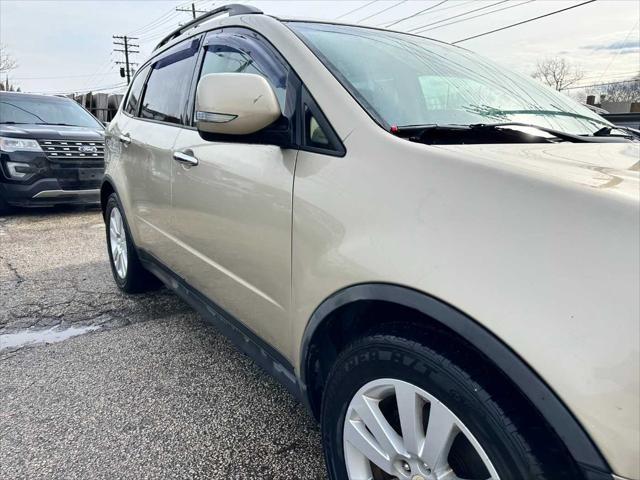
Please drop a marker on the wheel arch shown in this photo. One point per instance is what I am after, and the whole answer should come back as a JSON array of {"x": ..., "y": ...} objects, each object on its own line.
[
  {"x": 106, "y": 189},
  {"x": 341, "y": 306}
]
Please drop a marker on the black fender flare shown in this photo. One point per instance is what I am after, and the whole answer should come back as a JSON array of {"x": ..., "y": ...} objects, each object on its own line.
[
  {"x": 106, "y": 180},
  {"x": 550, "y": 406}
]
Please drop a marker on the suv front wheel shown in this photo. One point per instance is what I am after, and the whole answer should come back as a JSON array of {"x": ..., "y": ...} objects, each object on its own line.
[
  {"x": 394, "y": 408},
  {"x": 126, "y": 267}
]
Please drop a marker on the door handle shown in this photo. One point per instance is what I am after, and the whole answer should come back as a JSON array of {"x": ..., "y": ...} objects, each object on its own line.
[
  {"x": 126, "y": 139},
  {"x": 186, "y": 158}
]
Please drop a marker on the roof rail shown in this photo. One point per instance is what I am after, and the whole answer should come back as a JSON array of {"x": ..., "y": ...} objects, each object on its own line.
[{"x": 232, "y": 9}]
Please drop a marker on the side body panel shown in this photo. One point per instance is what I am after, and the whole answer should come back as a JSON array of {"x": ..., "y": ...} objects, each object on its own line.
[
  {"x": 231, "y": 223},
  {"x": 146, "y": 163},
  {"x": 551, "y": 268}
]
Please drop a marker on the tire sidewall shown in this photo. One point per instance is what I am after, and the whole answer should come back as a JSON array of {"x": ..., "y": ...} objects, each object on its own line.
[
  {"x": 420, "y": 366},
  {"x": 114, "y": 202}
]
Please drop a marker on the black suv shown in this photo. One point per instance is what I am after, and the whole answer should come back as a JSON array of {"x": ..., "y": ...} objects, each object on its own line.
[{"x": 51, "y": 151}]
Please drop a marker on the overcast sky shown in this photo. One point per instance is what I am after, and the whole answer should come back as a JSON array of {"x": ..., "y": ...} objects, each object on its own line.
[{"x": 65, "y": 46}]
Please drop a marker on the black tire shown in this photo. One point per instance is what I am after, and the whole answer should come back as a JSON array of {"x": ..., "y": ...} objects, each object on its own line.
[
  {"x": 392, "y": 356},
  {"x": 137, "y": 279}
]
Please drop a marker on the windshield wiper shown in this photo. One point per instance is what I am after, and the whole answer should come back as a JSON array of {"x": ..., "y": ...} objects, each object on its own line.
[
  {"x": 61, "y": 124},
  {"x": 483, "y": 133},
  {"x": 608, "y": 132},
  {"x": 486, "y": 133},
  {"x": 568, "y": 137}
]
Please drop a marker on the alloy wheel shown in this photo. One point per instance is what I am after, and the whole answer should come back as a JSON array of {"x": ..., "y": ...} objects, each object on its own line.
[
  {"x": 396, "y": 430},
  {"x": 118, "y": 241}
]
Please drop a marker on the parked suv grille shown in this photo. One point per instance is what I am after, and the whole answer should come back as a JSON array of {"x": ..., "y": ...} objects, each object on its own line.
[
  {"x": 76, "y": 164},
  {"x": 73, "y": 150}
]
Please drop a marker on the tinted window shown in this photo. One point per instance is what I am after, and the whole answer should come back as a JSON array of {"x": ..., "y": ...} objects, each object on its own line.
[
  {"x": 315, "y": 136},
  {"x": 133, "y": 101},
  {"x": 18, "y": 108},
  {"x": 239, "y": 52},
  {"x": 168, "y": 85}
]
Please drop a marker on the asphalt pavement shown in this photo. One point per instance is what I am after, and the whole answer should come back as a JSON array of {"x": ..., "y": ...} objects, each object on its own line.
[{"x": 149, "y": 390}]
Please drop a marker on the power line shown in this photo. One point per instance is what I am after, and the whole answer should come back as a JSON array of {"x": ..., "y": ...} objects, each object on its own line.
[
  {"x": 476, "y": 16},
  {"x": 600, "y": 84},
  {"x": 101, "y": 70},
  {"x": 619, "y": 51},
  {"x": 356, "y": 9},
  {"x": 421, "y": 27},
  {"x": 95, "y": 89},
  {"x": 191, "y": 10},
  {"x": 620, "y": 74},
  {"x": 139, "y": 30},
  {"x": 416, "y": 14},
  {"x": 153, "y": 38},
  {"x": 54, "y": 78},
  {"x": 382, "y": 11},
  {"x": 523, "y": 22},
  {"x": 174, "y": 17},
  {"x": 457, "y": 4}
]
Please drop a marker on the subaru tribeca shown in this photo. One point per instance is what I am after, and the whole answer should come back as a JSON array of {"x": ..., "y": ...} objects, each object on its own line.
[
  {"x": 439, "y": 257},
  {"x": 51, "y": 151}
]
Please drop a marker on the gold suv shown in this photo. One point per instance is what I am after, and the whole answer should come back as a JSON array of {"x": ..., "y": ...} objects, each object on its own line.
[{"x": 438, "y": 256}]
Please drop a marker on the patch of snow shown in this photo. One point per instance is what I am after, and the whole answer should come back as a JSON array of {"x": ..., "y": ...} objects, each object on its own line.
[{"x": 52, "y": 335}]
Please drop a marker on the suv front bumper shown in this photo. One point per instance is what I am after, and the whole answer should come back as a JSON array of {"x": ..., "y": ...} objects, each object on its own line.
[{"x": 46, "y": 192}]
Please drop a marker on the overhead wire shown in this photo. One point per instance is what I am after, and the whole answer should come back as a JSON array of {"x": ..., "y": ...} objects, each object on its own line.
[
  {"x": 356, "y": 9},
  {"x": 101, "y": 70},
  {"x": 415, "y": 29},
  {"x": 172, "y": 19},
  {"x": 142, "y": 29},
  {"x": 415, "y": 14},
  {"x": 576, "y": 87},
  {"x": 614, "y": 57},
  {"x": 382, "y": 11},
  {"x": 95, "y": 89},
  {"x": 476, "y": 16},
  {"x": 522, "y": 22}
]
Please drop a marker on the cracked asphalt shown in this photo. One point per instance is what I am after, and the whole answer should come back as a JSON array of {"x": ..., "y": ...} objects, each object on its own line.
[{"x": 154, "y": 393}]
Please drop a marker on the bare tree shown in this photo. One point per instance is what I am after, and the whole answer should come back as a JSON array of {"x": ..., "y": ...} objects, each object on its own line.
[
  {"x": 557, "y": 72},
  {"x": 628, "y": 91},
  {"x": 7, "y": 62}
]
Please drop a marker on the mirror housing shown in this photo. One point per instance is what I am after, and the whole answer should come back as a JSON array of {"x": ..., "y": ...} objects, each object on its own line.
[{"x": 235, "y": 104}]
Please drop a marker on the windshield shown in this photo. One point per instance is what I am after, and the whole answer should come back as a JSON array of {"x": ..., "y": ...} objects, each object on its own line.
[
  {"x": 408, "y": 80},
  {"x": 44, "y": 110}
]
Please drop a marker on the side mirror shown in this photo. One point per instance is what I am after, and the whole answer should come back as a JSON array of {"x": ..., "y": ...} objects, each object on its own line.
[{"x": 235, "y": 104}]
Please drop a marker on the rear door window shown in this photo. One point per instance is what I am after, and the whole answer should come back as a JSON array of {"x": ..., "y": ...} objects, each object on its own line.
[
  {"x": 167, "y": 89},
  {"x": 135, "y": 92}
]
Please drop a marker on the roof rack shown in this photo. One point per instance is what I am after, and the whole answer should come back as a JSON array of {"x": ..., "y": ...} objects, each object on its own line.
[{"x": 232, "y": 9}]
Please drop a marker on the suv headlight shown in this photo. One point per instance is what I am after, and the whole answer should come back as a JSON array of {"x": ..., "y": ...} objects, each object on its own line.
[{"x": 8, "y": 144}]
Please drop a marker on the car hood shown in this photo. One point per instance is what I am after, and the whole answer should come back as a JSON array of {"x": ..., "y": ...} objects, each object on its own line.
[
  {"x": 611, "y": 167},
  {"x": 51, "y": 132}
]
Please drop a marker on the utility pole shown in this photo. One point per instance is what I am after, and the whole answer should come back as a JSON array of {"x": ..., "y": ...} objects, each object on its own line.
[
  {"x": 129, "y": 48},
  {"x": 192, "y": 10}
]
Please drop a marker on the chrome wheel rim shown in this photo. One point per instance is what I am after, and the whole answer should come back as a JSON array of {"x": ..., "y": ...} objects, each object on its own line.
[
  {"x": 118, "y": 242},
  {"x": 396, "y": 430}
]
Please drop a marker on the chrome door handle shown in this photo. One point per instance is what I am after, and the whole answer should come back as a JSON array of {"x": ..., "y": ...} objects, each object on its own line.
[
  {"x": 126, "y": 139},
  {"x": 185, "y": 158}
]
